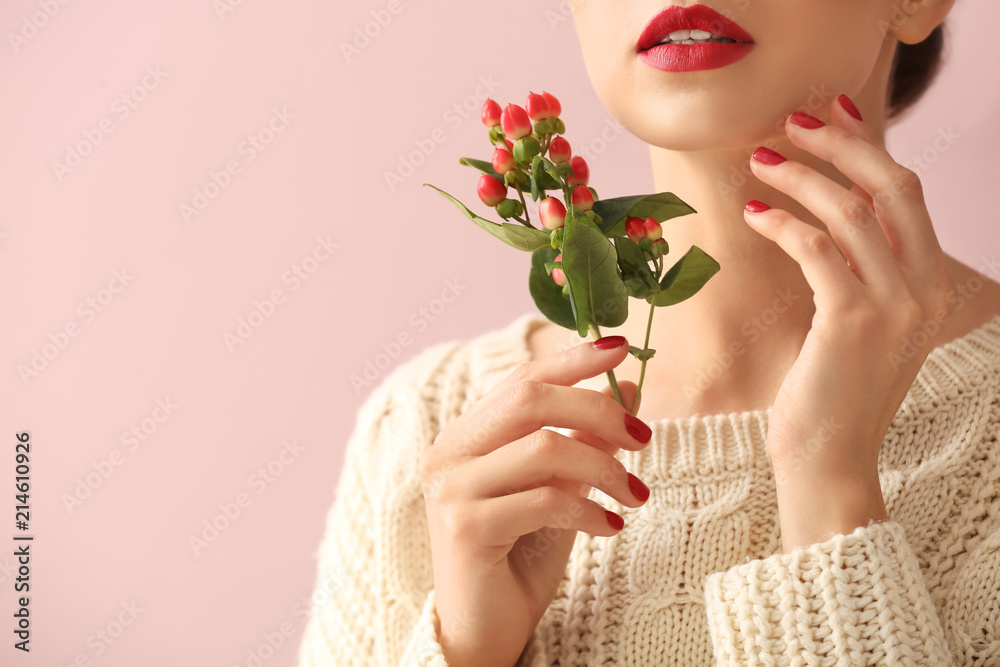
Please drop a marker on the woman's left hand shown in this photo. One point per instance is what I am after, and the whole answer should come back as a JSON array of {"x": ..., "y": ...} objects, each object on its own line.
[{"x": 881, "y": 291}]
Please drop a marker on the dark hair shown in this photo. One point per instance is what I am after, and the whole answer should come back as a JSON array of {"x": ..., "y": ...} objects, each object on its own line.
[{"x": 914, "y": 68}]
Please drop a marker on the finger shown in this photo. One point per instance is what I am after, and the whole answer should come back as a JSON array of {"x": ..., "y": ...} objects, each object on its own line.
[
  {"x": 504, "y": 519},
  {"x": 530, "y": 461},
  {"x": 526, "y": 403},
  {"x": 850, "y": 220},
  {"x": 831, "y": 280},
  {"x": 896, "y": 192},
  {"x": 627, "y": 390}
]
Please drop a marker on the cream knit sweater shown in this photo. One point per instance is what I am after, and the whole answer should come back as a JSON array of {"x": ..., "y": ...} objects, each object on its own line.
[{"x": 696, "y": 576}]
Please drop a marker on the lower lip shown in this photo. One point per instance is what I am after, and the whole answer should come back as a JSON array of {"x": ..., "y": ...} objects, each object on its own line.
[{"x": 693, "y": 57}]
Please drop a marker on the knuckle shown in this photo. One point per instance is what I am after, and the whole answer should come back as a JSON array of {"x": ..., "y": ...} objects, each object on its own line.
[
  {"x": 858, "y": 213},
  {"x": 459, "y": 521},
  {"x": 522, "y": 372},
  {"x": 521, "y": 395},
  {"x": 818, "y": 243},
  {"x": 908, "y": 181},
  {"x": 544, "y": 499},
  {"x": 540, "y": 443}
]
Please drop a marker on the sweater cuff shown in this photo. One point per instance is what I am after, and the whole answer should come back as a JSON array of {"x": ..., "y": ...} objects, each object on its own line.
[
  {"x": 858, "y": 598},
  {"x": 423, "y": 649}
]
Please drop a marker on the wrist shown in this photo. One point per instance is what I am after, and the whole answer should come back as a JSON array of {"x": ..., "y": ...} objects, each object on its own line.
[{"x": 811, "y": 511}]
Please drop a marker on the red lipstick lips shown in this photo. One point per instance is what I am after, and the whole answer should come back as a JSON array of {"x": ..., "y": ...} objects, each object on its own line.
[{"x": 678, "y": 57}]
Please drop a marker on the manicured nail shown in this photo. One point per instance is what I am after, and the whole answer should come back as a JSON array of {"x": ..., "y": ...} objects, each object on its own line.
[
  {"x": 608, "y": 342},
  {"x": 767, "y": 156},
  {"x": 849, "y": 107},
  {"x": 805, "y": 120},
  {"x": 614, "y": 520},
  {"x": 639, "y": 490},
  {"x": 637, "y": 428},
  {"x": 755, "y": 206}
]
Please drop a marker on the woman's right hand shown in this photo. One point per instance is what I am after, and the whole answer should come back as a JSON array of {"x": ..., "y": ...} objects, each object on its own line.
[{"x": 506, "y": 497}]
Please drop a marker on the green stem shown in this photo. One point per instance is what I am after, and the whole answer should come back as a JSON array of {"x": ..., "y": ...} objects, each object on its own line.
[
  {"x": 642, "y": 368},
  {"x": 524, "y": 206},
  {"x": 611, "y": 373}
]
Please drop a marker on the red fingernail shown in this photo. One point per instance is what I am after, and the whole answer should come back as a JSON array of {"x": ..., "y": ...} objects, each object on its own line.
[
  {"x": 637, "y": 429},
  {"x": 614, "y": 520},
  {"x": 767, "y": 156},
  {"x": 805, "y": 120},
  {"x": 849, "y": 107},
  {"x": 608, "y": 342},
  {"x": 639, "y": 490},
  {"x": 755, "y": 206}
]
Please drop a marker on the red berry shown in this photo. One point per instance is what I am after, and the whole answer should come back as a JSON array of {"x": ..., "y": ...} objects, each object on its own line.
[
  {"x": 515, "y": 121},
  {"x": 559, "y": 150},
  {"x": 490, "y": 190},
  {"x": 581, "y": 171},
  {"x": 558, "y": 275},
  {"x": 554, "y": 107},
  {"x": 503, "y": 160},
  {"x": 510, "y": 144},
  {"x": 634, "y": 229},
  {"x": 491, "y": 113},
  {"x": 583, "y": 198},
  {"x": 652, "y": 229},
  {"x": 538, "y": 107},
  {"x": 552, "y": 212}
]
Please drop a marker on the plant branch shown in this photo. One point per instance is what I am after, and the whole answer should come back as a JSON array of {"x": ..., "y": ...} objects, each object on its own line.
[{"x": 610, "y": 373}]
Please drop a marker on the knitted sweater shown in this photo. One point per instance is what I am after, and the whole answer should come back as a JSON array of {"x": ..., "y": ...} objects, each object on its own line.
[{"x": 696, "y": 576}]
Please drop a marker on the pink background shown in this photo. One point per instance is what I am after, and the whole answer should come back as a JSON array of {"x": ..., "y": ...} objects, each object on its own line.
[{"x": 330, "y": 125}]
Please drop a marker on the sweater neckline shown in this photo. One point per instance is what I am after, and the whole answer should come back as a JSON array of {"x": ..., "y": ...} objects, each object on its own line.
[{"x": 706, "y": 444}]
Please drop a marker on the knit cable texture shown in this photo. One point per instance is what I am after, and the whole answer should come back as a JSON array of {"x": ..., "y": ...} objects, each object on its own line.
[{"x": 697, "y": 575}]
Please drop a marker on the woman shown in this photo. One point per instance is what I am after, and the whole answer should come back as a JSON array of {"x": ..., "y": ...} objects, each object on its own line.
[{"x": 815, "y": 477}]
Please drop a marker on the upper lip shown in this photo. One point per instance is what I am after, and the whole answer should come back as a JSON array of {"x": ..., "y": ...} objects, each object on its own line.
[{"x": 695, "y": 17}]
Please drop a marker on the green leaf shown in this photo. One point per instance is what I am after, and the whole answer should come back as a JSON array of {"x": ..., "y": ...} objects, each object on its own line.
[
  {"x": 596, "y": 291},
  {"x": 481, "y": 165},
  {"x": 686, "y": 277},
  {"x": 553, "y": 174},
  {"x": 547, "y": 295},
  {"x": 641, "y": 353},
  {"x": 515, "y": 235},
  {"x": 661, "y": 206},
  {"x": 636, "y": 273}
]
